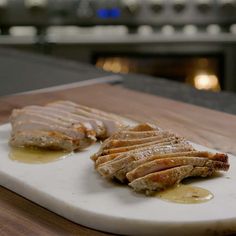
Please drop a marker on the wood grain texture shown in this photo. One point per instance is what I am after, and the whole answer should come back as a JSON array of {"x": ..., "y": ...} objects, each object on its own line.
[{"x": 19, "y": 216}]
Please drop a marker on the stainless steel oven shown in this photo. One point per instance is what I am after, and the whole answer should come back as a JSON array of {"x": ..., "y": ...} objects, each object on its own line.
[{"x": 203, "y": 71}]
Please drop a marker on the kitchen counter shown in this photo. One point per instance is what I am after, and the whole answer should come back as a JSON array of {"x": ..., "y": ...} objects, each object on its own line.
[
  {"x": 20, "y": 216},
  {"x": 221, "y": 101}
]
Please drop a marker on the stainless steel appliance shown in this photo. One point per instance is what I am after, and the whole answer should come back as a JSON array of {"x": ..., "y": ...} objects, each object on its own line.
[
  {"x": 152, "y": 30},
  {"x": 117, "y": 12}
]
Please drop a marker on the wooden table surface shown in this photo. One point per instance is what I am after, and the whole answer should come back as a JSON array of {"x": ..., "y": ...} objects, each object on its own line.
[{"x": 18, "y": 216}]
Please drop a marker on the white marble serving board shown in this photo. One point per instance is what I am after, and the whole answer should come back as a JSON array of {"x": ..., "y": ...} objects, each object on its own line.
[{"x": 72, "y": 188}]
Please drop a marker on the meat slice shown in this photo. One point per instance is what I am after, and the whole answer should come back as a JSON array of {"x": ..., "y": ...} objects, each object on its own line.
[
  {"x": 26, "y": 123},
  {"x": 160, "y": 140},
  {"x": 19, "y": 116},
  {"x": 21, "y": 119},
  {"x": 27, "y": 113},
  {"x": 45, "y": 126},
  {"x": 47, "y": 140},
  {"x": 143, "y": 152},
  {"x": 151, "y": 159},
  {"x": 110, "y": 124},
  {"x": 134, "y": 138},
  {"x": 163, "y": 142},
  {"x": 92, "y": 110},
  {"x": 64, "y": 118},
  {"x": 79, "y": 124},
  {"x": 128, "y": 134},
  {"x": 121, "y": 174},
  {"x": 115, "y": 143},
  {"x": 63, "y": 115},
  {"x": 127, "y": 138},
  {"x": 30, "y": 127},
  {"x": 167, "y": 163},
  {"x": 163, "y": 179},
  {"x": 108, "y": 169}
]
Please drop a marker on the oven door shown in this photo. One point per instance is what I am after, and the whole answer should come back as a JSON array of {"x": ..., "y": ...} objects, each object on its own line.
[{"x": 201, "y": 71}]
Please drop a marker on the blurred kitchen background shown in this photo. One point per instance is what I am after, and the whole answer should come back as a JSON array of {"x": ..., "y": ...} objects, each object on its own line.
[{"x": 189, "y": 41}]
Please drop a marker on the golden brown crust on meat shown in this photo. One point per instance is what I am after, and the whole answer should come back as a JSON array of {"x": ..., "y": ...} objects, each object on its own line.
[
  {"x": 167, "y": 163},
  {"x": 162, "y": 179},
  {"x": 154, "y": 159}
]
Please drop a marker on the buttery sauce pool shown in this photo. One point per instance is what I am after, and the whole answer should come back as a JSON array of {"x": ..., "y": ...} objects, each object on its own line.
[
  {"x": 36, "y": 156},
  {"x": 185, "y": 194}
]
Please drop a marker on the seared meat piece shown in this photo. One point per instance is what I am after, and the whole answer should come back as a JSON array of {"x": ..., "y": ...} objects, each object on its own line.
[
  {"x": 63, "y": 115},
  {"x": 31, "y": 125},
  {"x": 152, "y": 159},
  {"x": 92, "y": 110},
  {"x": 160, "y": 136},
  {"x": 121, "y": 174},
  {"x": 21, "y": 119},
  {"x": 52, "y": 135},
  {"x": 115, "y": 143},
  {"x": 110, "y": 123},
  {"x": 163, "y": 179},
  {"x": 167, "y": 163},
  {"x": 119, "y": 150},
  {"x": 108, "y": 169},
  {"x": 48, "y": 140},
  {"x": 142, "y": 152},
  {"x": 164, "y": 142},
  {"x": 127, "y": 135},
  {"x": 77, "y": 126}
]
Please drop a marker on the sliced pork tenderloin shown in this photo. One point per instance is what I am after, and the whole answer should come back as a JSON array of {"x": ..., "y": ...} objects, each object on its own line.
[
  {"x": 164, "y": 142},
  {"x": 20, "y": 121},
  {"x": 144, "y": 152},
  {"x": 110, "y": 125},
  {"x": 163, "y": 179},
  {"x": 167, "y": 163},
  {"x": 108, "y": 169},
  {"x": 115, "y": 143},
  {"x": 46, "y": 140},
  {"x": 121, "y": 174},
  {"x": 92, "y": 110},
  {"x": 63, "y": 115}
]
